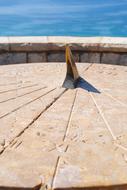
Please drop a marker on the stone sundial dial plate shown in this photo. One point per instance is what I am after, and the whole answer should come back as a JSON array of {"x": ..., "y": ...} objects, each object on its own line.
[{"x": 57, "y": 138}]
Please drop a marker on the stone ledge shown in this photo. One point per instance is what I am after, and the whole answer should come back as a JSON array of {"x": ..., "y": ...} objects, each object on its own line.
[
  {"x": 4, "y": 44},
  {"x": 100, "y": 44},
  {"x": 49, "y": 49}
]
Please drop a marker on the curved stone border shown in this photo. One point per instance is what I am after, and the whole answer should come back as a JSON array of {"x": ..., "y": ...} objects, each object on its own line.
[{"x": 51, "y": 49}]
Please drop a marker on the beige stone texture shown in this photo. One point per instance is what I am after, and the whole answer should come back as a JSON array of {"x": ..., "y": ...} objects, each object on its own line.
[{"x": 54, "y": 138}]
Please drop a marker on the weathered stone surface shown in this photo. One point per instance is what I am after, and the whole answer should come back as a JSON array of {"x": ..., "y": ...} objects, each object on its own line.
[
  {"x": 114, "y": 58},
  {"x": 114, "y": 40},
  {"x": 112, "y": 102},
  {"x": 35, "y": 158},
  {"x": 2, "y": 142},
  {"x": 76, "y": 56},
  {"x": 28, "y": 39},
  {"x": 60, "y": 57},
  {"x": 4, "y": 44},
  {"x": 70, "y": 40},
  {"x": 58, "y": 43},
  {"x": 87, "y": 47},
  {"x": 86, "y": 135},
  {"x": 123, "y": 59},
  {"x": 90, "y": 57},
  {"x": 112, "y": 44},
  {"x": 24, "y": 116},
  {"x": 63, "y": 139},
  {"x": 110, "y": 58},
  {"x": 37, "y": 57},
  {"x": 56, "y": 57},
  {"x": 28, "y": 44},
  {"x": 12, "y": 58},
  {"x": 53, "y": 43}
]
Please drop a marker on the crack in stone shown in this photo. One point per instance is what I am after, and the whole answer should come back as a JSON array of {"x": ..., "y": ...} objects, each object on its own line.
[
  {"x": 18, "y": 144},
  {"x": 87, "y": 68},
  {"x": 14, "y": 141},
  {"x": 64, "y": 139},
  {"x": 103, "y": 117},
  {"x": 25, "y": 104},
  {"x": 9, "y": 84},
  {"x": 69, "y": 120},
  {"x": 14, "y": 89},
  {"x": 23, "y": 94},
  {"x": 107, "y": 125}
]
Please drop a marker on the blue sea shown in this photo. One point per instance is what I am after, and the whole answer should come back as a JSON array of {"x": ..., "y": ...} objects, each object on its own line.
[{"x": 63, "y": 18}]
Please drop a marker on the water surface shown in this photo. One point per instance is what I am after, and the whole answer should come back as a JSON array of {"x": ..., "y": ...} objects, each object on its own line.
[{"x": 63, "y": 17}]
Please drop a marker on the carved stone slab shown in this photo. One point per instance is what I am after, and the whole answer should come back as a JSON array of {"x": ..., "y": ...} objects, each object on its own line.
[{"x": 57, "y": 138}]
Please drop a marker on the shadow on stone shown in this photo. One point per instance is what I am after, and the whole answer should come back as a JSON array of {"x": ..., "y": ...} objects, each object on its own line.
[{"x": 81, "y": 83}]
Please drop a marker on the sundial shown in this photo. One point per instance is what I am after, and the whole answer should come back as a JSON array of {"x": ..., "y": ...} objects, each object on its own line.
[{"x": 63, "y": 131}]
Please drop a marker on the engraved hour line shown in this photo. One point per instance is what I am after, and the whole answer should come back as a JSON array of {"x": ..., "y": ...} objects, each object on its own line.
[
  {"x": 102, "y": 115},
  {"x": 107, "y": 125}
]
